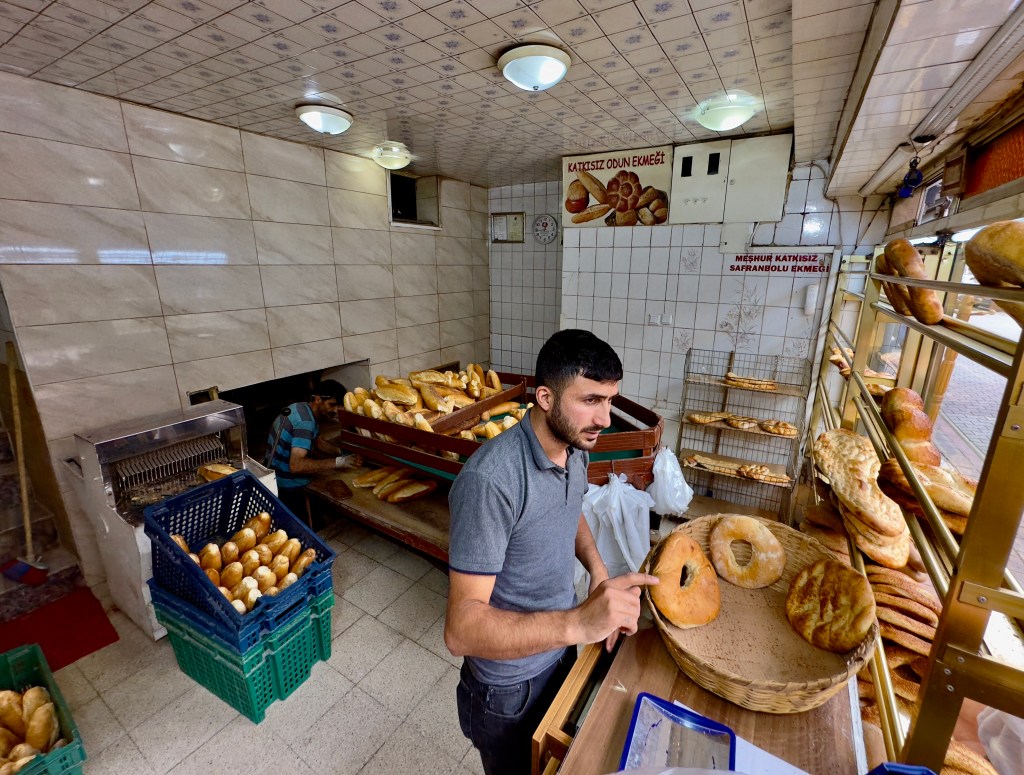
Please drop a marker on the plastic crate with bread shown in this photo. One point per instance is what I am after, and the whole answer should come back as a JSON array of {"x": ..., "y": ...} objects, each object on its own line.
[{"x": 429, "y": 423}]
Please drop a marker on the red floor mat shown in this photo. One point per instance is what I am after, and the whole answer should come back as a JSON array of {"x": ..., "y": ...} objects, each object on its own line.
[{"x": 66, "y": 629}]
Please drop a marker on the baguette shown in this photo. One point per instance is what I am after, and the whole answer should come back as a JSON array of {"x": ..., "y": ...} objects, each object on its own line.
[
  {"x": 394, "y": 476},
  {"x": 396, "y": 394},
  {"x": 903, "y": 413},
  {"x": 384, "y": 491},
  {"x": 591, "y": 213},
  {"x": 428, "y": 375},
  {"x": 504, "y": 408},
  {"x": 897, "y": 294},
  {"x": 594, "y": 187},
  {"x": 493, "y": 382},
  {"x": 411, "y": 491},
  {"x": 371, "y": 478}
]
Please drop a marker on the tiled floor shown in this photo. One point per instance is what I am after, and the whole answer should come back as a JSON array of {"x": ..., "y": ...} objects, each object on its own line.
[{"x": 383, "y": 704}]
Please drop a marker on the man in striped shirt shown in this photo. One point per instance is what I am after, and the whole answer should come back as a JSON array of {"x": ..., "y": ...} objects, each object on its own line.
[{"x": 295, "y": 434}]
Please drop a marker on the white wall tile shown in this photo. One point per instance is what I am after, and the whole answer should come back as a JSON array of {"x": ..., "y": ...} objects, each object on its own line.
[
  {"x": 212, "y": 334},
  {"x": 310, "y": 356},
  {"x": 362, "y": 246},
  {"x": 366, "y": 282},
  {"x": 358, "y": 210},
  {"x": 227, "y": 372},
  {"x": 162, "y": 135},
  {"x": 354, "y": 173},
  {"x": 280, "y": 159},
  {"x": 298, "y": 284},
  {"x": 196, "y": 239},
  {"x": 367, "y": 316},
  {"x": 291, "y": 243},
  {"x": 286, "y": 201},
  {"x": 38, "y": 233},
  {"x": 188, "y": 189},
  {"x": 303, "y": 323}
]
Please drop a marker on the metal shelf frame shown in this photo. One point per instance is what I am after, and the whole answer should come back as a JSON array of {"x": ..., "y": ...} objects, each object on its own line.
[{"x": 970, "y": 575}]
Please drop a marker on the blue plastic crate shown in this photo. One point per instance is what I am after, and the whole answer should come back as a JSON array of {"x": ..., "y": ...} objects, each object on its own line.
[
  {"x": 271, "y": 670},
  {"x": 213, "y": 513},
  {"x": 23, "y": 667}
]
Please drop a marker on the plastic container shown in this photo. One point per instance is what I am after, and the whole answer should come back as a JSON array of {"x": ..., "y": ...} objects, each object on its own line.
[
  {"x": 26, "y": 666},
  {"x": 213, "y": 513},
  {"x": 250, "y": 681},
  {"x": 889, "y": 768}
]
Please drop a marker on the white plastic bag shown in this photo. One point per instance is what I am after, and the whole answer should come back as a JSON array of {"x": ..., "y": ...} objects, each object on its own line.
[
  {"x": 618, "y": 516},
  {"x": 671, "y": 493},
  {"x": 1002, "y": 735}
]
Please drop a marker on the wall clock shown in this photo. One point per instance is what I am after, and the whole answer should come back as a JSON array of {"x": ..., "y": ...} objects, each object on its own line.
[{"x": 545, "y": 229}]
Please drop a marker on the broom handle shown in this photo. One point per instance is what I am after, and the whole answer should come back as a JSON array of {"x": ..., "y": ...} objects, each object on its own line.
[{"x": 26, "y": 516}]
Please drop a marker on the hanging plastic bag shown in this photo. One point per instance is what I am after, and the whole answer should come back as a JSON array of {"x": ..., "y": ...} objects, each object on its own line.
[
  {"x": 1002, "y": 735},
  {"x": 671, "y": 493},
  {"x": 618, "y": 516}
]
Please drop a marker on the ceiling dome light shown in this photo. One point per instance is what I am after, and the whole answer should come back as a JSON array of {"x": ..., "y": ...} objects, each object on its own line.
[
  {"x": 726, "y": 111},
  {"x": 534, "y": 67},
  {"x": 324, "y": 118},
  {"x": 392, "y": 155}
]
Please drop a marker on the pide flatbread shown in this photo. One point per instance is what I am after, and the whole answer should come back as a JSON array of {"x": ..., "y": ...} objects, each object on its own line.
[
  {"x": 778, "y": 428},
  {"x": 850, "y": 463},
  {"x": 741, "y": 422},
  {"x": 703, "y": 418}
]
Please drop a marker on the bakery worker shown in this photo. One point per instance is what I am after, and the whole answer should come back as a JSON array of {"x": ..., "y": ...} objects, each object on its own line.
[
  {"x": 516, "y": 525},
  {"x": 295, "y": 435}
]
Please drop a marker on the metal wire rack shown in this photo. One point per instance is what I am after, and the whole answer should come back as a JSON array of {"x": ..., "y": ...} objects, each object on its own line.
[{"x": 705, "y": 391}]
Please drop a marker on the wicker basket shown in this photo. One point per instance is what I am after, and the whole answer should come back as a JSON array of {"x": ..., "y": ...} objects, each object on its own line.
[{"x": 750, "y": 654}]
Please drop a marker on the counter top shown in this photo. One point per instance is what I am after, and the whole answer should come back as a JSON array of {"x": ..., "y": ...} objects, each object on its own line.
[{"x": 822, "y": 740}]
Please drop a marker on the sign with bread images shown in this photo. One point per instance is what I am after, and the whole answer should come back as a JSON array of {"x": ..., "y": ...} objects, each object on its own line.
[{"x": 617, "y": 188}]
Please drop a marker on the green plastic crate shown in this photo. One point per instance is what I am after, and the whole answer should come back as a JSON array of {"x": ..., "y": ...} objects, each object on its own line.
[
  {"x": 26, "y": 666},
  {"x": 271, "y": 670}
]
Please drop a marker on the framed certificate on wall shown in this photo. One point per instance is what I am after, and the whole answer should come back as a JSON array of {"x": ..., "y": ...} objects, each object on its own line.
[{"x": 507, "y": 227}]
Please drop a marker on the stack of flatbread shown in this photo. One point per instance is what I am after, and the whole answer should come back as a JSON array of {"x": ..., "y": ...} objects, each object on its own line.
[
  {"x": 873, "y": 519},
  {"x": 952, "y": 494}
]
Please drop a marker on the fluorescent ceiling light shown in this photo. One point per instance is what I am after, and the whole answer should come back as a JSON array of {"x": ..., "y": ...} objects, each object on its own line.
[
  {"x": 723, "y": 112},
  {"x": 324, "y": 118},
  {"x": 966, "y": 234},
  {"x": 897, "y": 161},
  {"x": 392, "y": 155},
  {"x": 924, "y": 240},
  {"x": 534, "y": 67}
]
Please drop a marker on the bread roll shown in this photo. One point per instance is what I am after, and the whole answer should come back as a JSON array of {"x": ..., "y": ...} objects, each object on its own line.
[
  {"x": 903, "y": 413},
  {"x": 43, "y": 729},
  {"x": 11, "y": 712},
  {"x": 906, "y": 261},
  {"x": 33, "y": 698},
  {"x": 831, "y": 606},
  {"x": 996, "y": 257},
  {"x": 896, "y": 294}
]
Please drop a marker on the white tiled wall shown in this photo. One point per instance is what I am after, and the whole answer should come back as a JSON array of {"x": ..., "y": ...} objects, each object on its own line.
[
  {"x": 525, "y": 278},
  {"x": 613, "y": 279},
  {"x": 144, "y": 255}
]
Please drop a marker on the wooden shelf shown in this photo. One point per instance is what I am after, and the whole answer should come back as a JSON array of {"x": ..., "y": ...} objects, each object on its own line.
[
  {"x": 783, "y": 389},
  {"x": 778, "y": 470},
  {"x": 722, "y": 425}
]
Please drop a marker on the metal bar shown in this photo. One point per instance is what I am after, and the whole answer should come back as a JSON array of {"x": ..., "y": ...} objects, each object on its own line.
[
  {"x": 866, "y": 326},
  {"x": 994, "y": 341},
  {"x": 987, "y": 356},
  {"x": 885, "y": 697},
  {"x": 985, "y": 291},
  {"x": 839, "y": 336},
  {"x": 1009, "y": 603},
  {"x": 829, "y": 416},
  {"x": 854, "y": 296},
  {"x": 986, "y": 546},
  {"x": 876, "y": 439},
  {"x": 988, "y": 680}
]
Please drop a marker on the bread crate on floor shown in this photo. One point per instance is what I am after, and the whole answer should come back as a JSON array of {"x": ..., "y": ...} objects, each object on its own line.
[
  {"x": 212, "y": 514},
  {"x": 250, "y": 680},
  {"x": 25, "y": 667}
]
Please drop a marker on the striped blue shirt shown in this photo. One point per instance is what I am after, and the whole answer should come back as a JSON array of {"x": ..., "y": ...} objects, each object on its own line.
[{"x": 294, "y": 427}]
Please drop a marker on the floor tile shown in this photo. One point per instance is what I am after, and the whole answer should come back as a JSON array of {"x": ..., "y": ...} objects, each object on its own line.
[
  {"x": 149, "y": 690},
  {"x": 348, "y": 735},
  {"x": 376, "y": 547},
  {"x": 349, "y": 568},
  {"x": 409, "y": 564},
  {"x": 117, "y": 662},
  {"x": 377, "y": 589},
  {"x": 409, "y": 750},
  {"x": 290, "y": 718},
  {"x": 350, "y": 533},
  {"x": 433, "y": 641},
  {"x": 414, "y": 611},
  {"x": 74, "y": 686},
  {"x": 436, "y": 580},
  {"x": 361, "y": 647},
  {"x": 437, "y": 716},
  {"x": 237, "y": 749},
  {"x": 121, "y": 757},
  {"x": 404, "y": 677},
  {"x": 97, "y": 725},
  {"x": 181, "y": 728},
  {"x": 343, "y": 615}
]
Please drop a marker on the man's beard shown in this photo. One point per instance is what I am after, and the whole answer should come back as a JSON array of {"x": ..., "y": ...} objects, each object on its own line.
[{"x": 563, "y": 430}]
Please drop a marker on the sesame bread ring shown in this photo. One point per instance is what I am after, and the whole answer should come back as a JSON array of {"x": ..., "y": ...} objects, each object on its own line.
[
  {"x": 767, "y": 557},
  {"x": 688, "y": 594}
]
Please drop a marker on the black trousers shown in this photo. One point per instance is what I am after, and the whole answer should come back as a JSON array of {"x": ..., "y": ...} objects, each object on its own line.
[{"x": 500, "y": 720}]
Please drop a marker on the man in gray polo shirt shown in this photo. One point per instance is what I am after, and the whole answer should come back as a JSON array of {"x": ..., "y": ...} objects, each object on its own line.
[{"x": 516, "y": 525}]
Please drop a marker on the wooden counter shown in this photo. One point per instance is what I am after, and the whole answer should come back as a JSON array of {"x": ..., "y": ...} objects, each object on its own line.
[
  {"x": 818, "y": 741},
  {"x": 421, "y": 524}
]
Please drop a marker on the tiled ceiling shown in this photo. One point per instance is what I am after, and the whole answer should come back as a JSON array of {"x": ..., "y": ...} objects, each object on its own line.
[{"x": 423, "y": 71}]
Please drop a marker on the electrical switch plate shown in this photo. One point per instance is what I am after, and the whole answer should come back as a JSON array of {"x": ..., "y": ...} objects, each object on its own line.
[
  {"x": 666, "y": 320},
  {"x": 653, "y": 319}
]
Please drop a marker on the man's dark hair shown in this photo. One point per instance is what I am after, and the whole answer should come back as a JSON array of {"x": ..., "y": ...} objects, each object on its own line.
[
  {"x": 572, "y": 353},
  {"x": 330, "y": 388}
]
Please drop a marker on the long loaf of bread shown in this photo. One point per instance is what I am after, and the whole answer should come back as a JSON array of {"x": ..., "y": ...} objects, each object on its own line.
[
  {"x": 949, "y": 490},
  {"x": 996, "y": 257},
  {"x": 903, "y": 258}
]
